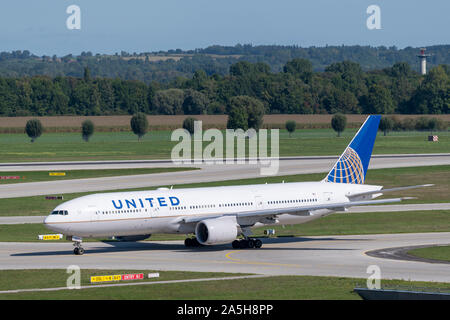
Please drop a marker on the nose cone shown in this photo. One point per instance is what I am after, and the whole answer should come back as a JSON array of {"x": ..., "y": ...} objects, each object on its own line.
[{"x": 51, "y": 223}]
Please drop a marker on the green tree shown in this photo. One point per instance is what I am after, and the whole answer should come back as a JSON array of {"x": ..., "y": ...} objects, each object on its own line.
[
  {"x": 168, "y": 101},
  {"x": 338, "y": 123},
  {"x": 188, "y": 124},
  {"x": 139, "y": 124},
  {"x": 245, "y": 112},
  {"x": 87, "y": 129},
  {"x": 194, "y": 102},
  {"x": 433, "y": 94},
  {"x": 34, "y": 129},
  {"x": 301, "y": 68},
  {"x": 290, "y": 126},
  {"x": 237, "y": 118},
  {"x": 400, "y": 69},
  {"x": 378, "y": 101},
  {"x": 386, "y": 124},
  {"x": 432, "y": 124},
  {"x": 341, "y": 101},
  {"x": 87, "y": 74}
]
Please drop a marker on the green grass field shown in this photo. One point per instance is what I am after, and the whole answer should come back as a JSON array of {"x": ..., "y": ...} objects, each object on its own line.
[
  {"x": 158, "y": 145},
  {"x": 436, "y": 253},
  {"x": 271, "y": 288},
  {"x": 36, "y": 176},
  {"x": 54, "y": 278}
]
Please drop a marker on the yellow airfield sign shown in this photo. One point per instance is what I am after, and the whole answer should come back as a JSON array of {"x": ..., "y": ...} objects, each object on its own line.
[
  {"x": 56, "y": 173},
  {"x": 50, "y": 236}
]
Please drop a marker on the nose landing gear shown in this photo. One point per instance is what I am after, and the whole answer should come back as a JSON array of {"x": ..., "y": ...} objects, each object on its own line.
[{"x": 78, "y": 250}]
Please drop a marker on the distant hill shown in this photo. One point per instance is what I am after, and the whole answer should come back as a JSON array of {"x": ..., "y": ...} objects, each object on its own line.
[{"x": 165, "y": 66}]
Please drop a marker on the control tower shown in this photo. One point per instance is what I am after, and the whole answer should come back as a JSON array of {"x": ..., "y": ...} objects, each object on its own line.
[{"x": 423, "y": 61}]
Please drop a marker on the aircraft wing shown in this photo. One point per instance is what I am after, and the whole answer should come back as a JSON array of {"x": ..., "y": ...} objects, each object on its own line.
[{"x": 304, "y": 210}]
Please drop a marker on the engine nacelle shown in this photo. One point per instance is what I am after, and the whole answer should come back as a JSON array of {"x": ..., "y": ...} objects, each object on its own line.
[
  {"x": 216, "y": 231},
  {"x": 132, "y": 238}
]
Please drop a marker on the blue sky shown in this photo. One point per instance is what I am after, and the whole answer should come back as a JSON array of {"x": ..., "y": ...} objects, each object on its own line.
[{"x": 153, "y": 25}]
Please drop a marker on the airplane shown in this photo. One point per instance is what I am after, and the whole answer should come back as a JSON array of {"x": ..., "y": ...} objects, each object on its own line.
[{"x": 221, "y": 215}]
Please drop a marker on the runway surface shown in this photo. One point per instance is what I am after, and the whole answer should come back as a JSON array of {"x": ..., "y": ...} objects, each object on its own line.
[
  {"x": 208, "y": 173},
  {"x": 342, "y": 256},
  {"x": 380, "y": 208}
]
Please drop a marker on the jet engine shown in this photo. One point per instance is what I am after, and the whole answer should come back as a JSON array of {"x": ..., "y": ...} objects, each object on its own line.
[{"x": 216, "y": 231}]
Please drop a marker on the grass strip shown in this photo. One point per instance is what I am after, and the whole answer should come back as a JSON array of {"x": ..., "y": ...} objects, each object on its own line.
[{"x": 271, "y": 288}]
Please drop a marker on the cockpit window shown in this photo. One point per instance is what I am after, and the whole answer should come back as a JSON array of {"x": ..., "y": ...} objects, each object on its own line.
[{"x": 60, "y": 212}]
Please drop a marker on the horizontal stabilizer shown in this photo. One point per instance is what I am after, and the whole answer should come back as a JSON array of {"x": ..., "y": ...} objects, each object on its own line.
[{"x": 382, "y": 191}]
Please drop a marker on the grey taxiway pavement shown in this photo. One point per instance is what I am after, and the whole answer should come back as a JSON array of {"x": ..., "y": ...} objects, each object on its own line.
[
  {"x": 208, "y": 172},
  {"x": 326, "y": 255},
  {"x": 342, "y": 256}
]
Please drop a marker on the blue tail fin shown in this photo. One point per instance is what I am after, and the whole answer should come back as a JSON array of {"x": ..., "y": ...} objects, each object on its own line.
[{"x": 352, "y": 165}]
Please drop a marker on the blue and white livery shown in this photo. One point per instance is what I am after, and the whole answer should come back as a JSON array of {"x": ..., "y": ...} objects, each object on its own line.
[
  {"x": 352, "y": 165},
  {"x": 219, "y": 215}
]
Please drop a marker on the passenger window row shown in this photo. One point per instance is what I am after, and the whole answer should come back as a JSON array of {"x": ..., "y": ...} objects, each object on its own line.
[
  {"x": 177, "y": 208},
  {"x": 120, "y": 211},
  {"x": 242, "y": 204},
  {"x": 203, "y": 206},
  {"x": 292, "y": 201}
]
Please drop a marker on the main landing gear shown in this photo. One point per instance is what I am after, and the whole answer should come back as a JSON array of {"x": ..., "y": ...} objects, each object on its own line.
[
  {"x": 192, "y": 243},
  {"x": 247, "y": 244}
]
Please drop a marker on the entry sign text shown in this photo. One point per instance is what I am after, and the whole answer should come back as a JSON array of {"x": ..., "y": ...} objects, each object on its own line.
[{"x": 118, "y": 277}]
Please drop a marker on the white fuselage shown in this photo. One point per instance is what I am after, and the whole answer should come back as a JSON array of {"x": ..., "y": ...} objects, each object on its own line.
[{"x": 165, "y": 210}]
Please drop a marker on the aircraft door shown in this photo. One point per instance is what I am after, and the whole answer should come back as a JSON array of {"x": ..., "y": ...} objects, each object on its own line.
[
  {"x": 328, "y": 197},
  {"x": 259, "y": 203},
  {"x": 91, "y": 212}
]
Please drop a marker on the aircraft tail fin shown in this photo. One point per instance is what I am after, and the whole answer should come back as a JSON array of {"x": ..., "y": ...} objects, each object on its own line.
[{"x": 352, "y": 165}]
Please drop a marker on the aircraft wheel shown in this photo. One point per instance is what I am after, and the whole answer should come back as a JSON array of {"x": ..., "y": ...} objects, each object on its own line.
[
  {"x": 258, "y": 243},
  {"x": 244, "y": 244},
  {"x": 80, "y": 251},
  {"x": 76, "y": 251},
  {"x": 195, "y": 243},
  {"x": 251, "y": 243},
  {"x": 188, "y": 242},
  {"x": 236, "y": 244}
]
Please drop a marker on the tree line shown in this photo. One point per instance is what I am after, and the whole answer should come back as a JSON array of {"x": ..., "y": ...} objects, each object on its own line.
[
  {"x": 342, "y": 87},
  {"x": 166, "y": 66},
  {"x": 252, "y": 120}
]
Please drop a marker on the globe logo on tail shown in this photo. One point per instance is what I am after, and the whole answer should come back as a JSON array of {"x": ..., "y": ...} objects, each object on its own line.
[{"x": 348, "y": 169}]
